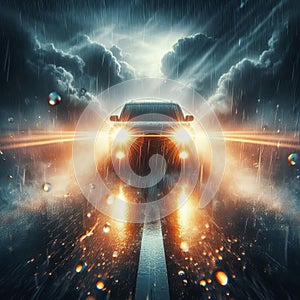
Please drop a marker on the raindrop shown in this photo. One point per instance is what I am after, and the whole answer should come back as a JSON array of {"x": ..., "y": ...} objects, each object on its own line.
[
  {"x": 221, "y": 277},
  {"x": 180, "y": 273},
  {"x": 185, "y": 282},
  {"x": 115, "y": 254},
  {"x": 293, "y": 159},
  {"x": 82, "y": 92},
  {"x": 100, "y": 285},
  {"x": 106, "y": 227},
  {"x": 89, "y": 215},
  {"x": 80, "y": 267},
  {"x": 67, "y": 195},
  {"x": 10, "y": 177},
  {"x": 110, "y": 200},
  {"x": 47, "y": 187},
  {"x": 11, "y": 120},
  {"x": 54, "y": 99},
  {"x": 202, "y": 282},
  {"x": 92, "y": 186},
  {"x": 36, "y": 280}
]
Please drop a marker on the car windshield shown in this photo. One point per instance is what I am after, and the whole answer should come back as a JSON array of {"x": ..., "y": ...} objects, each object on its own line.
[{"x": 133, "y": 110}]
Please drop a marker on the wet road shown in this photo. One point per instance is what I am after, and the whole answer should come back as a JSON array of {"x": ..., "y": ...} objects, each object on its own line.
[
  {"x": 56, "y": 245},
  {"x": 73, "y": 252},
  {"x": 68, "y": 253}
]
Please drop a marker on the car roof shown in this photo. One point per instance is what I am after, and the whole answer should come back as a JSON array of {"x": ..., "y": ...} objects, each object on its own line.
[
  {"x": 135, "y": 108},
  {"x": 151, "y": 102}
]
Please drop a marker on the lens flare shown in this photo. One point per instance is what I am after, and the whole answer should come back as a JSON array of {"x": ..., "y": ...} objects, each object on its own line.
[{"x": 183, "y": 155}]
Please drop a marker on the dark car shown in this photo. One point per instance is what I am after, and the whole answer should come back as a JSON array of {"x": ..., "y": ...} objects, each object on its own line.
[{"x": 147, "y": 128}]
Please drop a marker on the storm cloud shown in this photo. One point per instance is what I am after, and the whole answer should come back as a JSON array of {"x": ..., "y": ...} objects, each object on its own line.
[
  {"x": 221, "y": 54},
  {"x": 273, "y": 77},
  {"x": 193, "y": 58},
  {"x": 101, "y": 68},
  {"x": 32, "y": 68}
]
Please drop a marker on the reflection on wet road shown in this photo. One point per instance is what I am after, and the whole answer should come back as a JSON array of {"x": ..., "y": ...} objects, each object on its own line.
[
  {"x": 67, "y": 250},
  {"x": 236, "y": 252},
  {"x": 70, "y": 251}
]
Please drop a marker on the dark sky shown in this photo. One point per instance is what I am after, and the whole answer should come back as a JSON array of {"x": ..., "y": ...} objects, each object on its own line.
[{"x": 232, "y": 52}]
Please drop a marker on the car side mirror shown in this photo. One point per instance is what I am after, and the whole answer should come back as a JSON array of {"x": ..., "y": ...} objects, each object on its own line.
[
  {"x": 114, "y": 118},
  {"x": 189, "y": 118}
]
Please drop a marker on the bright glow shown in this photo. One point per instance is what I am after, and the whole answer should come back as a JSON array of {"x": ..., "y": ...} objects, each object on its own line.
[
  {"x": 184, "y": 246},
  {"x": 182, "y": 136},
  {"x": 183, "y": 155},
  {"x": 144, "y": 47},
  {"x": 121, "y": 136},
  {"x": 120, "y": 154}
]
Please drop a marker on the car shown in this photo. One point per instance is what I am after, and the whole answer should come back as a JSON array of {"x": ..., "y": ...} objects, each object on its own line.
[{"x": 146, "y": 128}]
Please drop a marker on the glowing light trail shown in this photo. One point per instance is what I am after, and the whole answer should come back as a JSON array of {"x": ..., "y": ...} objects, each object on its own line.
[
  {"x": 8, "y": 142},
  {"x": 43, "y": 138},
  {"x": 265, "y": 143}
]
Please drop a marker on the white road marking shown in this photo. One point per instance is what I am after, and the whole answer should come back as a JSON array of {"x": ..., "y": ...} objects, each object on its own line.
[{"x": 152, "y": 278}]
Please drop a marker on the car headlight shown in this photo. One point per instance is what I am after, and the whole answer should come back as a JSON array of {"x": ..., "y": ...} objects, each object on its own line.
[
  {"x": 121, "y": 136},
  {"x": 120, "y": 154},
  {"x": 182, "y": 136}
]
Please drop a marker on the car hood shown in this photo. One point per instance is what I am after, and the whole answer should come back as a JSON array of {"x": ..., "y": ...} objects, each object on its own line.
[{"x": 153, "y": 127}]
